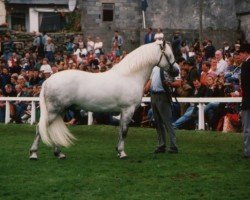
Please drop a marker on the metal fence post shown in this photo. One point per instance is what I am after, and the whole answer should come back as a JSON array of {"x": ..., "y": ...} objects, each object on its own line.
[
  {"x": 201, "y": 117},
  {"x": 33, "y": 113},
  {"x": 7, "y": 112},
  {"x": 90, "y": 118}
]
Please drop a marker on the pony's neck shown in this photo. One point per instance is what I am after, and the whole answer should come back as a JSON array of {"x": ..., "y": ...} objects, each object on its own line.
[{"x": 141, "y": 60}]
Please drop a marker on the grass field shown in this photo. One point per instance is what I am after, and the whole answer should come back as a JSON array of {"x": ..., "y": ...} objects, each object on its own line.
[{"x": 209, "y": 166}]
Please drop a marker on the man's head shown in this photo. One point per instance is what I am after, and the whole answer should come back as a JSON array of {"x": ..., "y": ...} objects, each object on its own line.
[
  {"x": 190, "y": 62},
  {"x": 206, "y": 66},
  {"x": 45, "y": 61},
  {"x": 8, "y": 88},
  {"x": 196, "y": 83},
  {"x": 244, "y": 51},
  {"x": 218, "y": 55}
]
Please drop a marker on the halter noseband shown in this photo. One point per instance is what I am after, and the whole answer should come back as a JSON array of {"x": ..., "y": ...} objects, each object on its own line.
[{"x": 163, "y": 53}]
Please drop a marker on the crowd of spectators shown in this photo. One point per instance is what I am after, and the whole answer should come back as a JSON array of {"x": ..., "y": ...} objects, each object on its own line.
[{"x": 204, "y": 72}]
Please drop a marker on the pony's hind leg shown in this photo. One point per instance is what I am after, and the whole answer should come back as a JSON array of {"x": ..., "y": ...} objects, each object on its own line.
[
  {"x": 58, "y": 153},
  {"x": 126, "y": 117},
  {"x": 34, "y": 147}
]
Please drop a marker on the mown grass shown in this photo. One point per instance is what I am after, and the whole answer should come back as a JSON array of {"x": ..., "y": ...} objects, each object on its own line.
[{"x": 209, "y": 166}]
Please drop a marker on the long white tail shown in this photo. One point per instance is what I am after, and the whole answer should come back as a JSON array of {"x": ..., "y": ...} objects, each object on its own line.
[{"x": 56, "y": 132}]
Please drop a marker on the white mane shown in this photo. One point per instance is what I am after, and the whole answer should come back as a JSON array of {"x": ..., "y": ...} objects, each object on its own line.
[{"x": 146, "y": 55}]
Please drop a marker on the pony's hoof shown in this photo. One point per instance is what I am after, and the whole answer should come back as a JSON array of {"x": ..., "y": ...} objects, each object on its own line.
[
  {"x": 33, "y": 156},
  {"x": 122, "y": 155},
  {"x": 61, "y": 156}
]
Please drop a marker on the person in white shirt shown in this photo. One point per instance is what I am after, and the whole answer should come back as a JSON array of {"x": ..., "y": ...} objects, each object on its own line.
[
  {"x": 81, "y": 51},
  {"x": 221, "y": 63},
  {"x": 98, "y": 46},
  {"x": 90, "y": 44},
  {"x": 45, "y": 66},
  {"x": 159, "y": 35}
]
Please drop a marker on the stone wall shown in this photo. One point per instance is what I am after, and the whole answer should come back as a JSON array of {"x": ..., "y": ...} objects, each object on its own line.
[
  {"x": 126, "y": 21},
  {"x": 179, "y": 14},
  {"x": 220, "y": 22}
]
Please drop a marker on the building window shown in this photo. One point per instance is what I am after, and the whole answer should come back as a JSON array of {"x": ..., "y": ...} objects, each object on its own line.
[
  {"x": 51, "y": 21},
  {"x": 108, "y": 12},
  {"x": 18, "y": 21}
]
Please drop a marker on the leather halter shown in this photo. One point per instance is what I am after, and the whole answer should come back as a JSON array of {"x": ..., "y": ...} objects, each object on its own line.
[{"x": 171, "y": 65}]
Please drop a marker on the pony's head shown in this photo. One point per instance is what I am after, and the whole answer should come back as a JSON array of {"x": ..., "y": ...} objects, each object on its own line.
[{"x": 166, "y": 60}]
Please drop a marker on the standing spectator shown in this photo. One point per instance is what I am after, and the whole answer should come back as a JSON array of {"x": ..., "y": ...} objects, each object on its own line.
[
  {"x": 8, "y": 47},
  {"x": 70, "y": 46},
  {"x": 209, "y": 50},
  {"x": 226, "y": 49},
  {"x": 49, "y": 50},
  {"x": 192, "y": 71},
  {"x": 45, "y": 38},
  {"x": 159, "y": 35},
  {"x": 176, "y": 44},
  {"x": 221, "y": 63},
  {"x": 38, "y": 45},
  {"x": 245, "y": 85},
  {"x": 98, "y": 46},
  {"x": 196, "y": 45},
  {"x": 118, "y": 40},
  {"x": 149, "y": 37},
  {"x": 90, "y": 44}
]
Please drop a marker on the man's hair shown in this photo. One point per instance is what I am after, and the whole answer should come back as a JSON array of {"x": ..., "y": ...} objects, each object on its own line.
[
  {"x": 207, "y": 63},
  {"x": 180, "y": 59}
]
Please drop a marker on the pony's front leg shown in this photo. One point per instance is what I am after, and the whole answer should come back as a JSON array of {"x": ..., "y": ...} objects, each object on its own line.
[
  {"x": 34, "y": 147},
  {"x": 126, "y": 117},
  {"x": 58, "y": 153}
]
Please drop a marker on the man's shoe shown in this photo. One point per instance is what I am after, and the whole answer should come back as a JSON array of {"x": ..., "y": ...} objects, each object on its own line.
[
  {"x": 160, "y": 150},
  {"x": 173, "y": 150}
]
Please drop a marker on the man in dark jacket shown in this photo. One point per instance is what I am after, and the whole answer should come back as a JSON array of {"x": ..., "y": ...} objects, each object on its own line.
[
  {"x": 193, "y": 73},
  {"x": 245, "y": 86}
]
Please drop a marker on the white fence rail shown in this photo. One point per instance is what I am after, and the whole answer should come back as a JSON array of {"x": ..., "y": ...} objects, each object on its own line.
[{"x": 200, "y": 101}]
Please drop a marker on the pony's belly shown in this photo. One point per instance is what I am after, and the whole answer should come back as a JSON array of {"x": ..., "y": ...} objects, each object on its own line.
[{"x": 99, "y": 106}]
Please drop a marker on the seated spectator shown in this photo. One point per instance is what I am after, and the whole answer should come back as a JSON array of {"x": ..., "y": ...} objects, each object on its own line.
[
  {"x": 232, "y": 73},
  {"x": 192, "y": 110},
  {"x": 221, "y": 63},
  {"x": 205, "y": 72},
  {"x": 215, "y": 88},
  {"x": 45, "y": 66},
  {"x": 192, "y": 71}
]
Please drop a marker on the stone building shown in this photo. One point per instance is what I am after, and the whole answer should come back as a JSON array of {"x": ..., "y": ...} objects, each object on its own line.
[{"x": 220, "y": 19}]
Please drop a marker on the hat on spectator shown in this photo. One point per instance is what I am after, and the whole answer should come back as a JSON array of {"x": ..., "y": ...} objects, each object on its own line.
[{"x": 245, "y": 48}]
